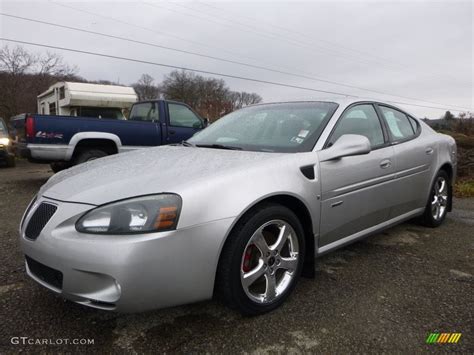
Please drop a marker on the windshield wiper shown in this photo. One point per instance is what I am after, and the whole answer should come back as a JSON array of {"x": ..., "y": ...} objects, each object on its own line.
[
  {"x": 218, "y": 146},
  {"x": 187, "y": 144}
]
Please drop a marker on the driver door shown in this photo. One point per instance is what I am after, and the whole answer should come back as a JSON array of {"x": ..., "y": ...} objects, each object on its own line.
[
  {"x": 183, "y": 123},
  {"x": 356, "y": 190}
]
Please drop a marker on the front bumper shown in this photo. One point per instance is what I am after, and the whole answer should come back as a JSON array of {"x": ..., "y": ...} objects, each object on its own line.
[{"x": 124, "y": 273}]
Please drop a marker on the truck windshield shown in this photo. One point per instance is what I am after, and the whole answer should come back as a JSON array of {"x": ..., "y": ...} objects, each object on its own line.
[
  {"x": 285, "y": 127},
  {"x": 3, "y": 129}
]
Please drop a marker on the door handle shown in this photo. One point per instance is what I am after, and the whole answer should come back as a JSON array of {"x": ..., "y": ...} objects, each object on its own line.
[
  {"x": 429, "y": 150},
  {"x": 387, "y": 163},
  {"x": 338, "y": 203},
  {"x": 171, "y": 132}
]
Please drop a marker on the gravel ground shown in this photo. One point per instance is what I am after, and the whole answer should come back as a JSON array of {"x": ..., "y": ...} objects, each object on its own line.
[{"x": 380, "y": 295}]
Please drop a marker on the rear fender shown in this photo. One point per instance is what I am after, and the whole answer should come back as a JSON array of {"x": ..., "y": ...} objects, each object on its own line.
[{"x": 91, "y": 135}]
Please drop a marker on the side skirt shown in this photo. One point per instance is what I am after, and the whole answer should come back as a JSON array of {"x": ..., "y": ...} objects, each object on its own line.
[{"x": 367, "y": 232}]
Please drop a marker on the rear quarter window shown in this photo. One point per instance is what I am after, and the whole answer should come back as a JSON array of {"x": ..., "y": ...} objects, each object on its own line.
[
  {"x": 398, "y": 124},
  {"x": 414, "y": 124}
]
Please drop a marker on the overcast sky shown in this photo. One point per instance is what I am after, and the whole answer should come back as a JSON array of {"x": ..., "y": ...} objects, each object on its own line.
[{"x": 415, "y": 49}]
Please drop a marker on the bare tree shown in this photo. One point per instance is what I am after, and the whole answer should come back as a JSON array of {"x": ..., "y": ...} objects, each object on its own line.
[
  {"x": 146, "y": 89},
  {"x": 241, "y": 99},
  {"x": 16, "y": 61},
  {"x": 209, "y": 96},
  {"x": 52, "y": 64},
  {"x": 181, "y": 86},
  {"x": 23, "y": 75}
]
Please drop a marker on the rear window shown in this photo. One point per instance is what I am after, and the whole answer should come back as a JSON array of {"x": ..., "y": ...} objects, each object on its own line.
[
  {"x": 101, "y": 112},
  {"x": 146, "y": 111}
]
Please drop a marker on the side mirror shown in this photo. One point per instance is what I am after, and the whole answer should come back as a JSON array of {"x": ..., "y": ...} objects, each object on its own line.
[{"x": 347, "y": 145}]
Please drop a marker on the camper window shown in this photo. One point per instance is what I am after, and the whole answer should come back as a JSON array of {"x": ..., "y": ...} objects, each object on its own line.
[
  {"x": 52, "y": 108},
  {"x": 62, "y": 94}
]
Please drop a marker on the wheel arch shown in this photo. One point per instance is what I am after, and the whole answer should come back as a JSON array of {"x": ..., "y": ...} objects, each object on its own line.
[
  {"x": 109, "y": 142},
  {"x": 296, "y": 205},
  {"x": 448, "y": 168},
  {"x": 302, "y": 212}
]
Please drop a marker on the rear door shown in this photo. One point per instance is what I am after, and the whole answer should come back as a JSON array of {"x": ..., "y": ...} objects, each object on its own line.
[
  {"x": 356, "y": 190},
  {"x": 182, "y": 123},
  {"x": 414, "y": 159}
]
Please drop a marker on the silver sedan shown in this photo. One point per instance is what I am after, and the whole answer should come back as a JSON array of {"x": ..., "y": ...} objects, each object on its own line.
[{"x": 240, "y": 210}]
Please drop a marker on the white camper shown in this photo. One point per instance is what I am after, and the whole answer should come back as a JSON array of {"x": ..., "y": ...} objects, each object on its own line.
[{"x": 89, "y": 100}]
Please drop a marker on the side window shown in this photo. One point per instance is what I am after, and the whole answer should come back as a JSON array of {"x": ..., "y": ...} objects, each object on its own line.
[
  {"x": 414, "y": 124},
  {"x": 362, "y": 120},
  {"x": 398, "y": 123},
  {"x": 181, "y": 116},
  {"x": 146, "y": 111}
]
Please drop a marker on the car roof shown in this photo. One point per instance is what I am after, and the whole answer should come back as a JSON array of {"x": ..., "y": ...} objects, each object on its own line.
[{"x": 341, "y": 101}]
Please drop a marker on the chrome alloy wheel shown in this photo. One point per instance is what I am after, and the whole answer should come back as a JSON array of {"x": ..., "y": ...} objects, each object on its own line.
[
  {"x": 440, "y": 198},
  {"x": 269, "y": 261}
]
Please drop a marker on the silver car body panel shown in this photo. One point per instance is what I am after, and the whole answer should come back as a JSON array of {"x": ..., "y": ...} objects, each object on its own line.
[{"x": 348, "y": 199}]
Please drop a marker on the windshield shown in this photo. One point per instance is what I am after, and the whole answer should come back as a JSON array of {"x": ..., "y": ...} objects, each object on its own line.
[
  {"x": 286, "y": 127},
  {"x": 3, "y": 129}
]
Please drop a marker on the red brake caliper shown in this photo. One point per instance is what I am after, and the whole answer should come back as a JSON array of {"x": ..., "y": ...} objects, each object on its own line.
[{"x": 247, "y": 258}]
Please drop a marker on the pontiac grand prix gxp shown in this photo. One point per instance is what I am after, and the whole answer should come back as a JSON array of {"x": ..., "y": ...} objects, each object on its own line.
[{"x": 240, "y": 210}]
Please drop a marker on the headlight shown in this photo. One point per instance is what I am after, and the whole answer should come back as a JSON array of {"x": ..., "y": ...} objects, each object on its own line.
[
  {"x": 4, "y": 141},
  {"x": 145, "y": 214}
]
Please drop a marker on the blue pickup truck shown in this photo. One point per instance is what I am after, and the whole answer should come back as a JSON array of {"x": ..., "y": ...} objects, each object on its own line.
[{"x": 63, "y": 141}]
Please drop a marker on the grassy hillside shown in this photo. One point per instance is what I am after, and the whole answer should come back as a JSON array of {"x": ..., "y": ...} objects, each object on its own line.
[{"x": 463, "y": 132}]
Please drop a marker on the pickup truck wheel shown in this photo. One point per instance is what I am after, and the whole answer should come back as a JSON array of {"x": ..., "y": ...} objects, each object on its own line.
[
  {"x": 261, "y": 260},
  {"x": 88, "y": 155}
]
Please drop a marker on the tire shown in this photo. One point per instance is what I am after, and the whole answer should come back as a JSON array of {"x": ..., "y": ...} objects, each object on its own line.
[
  {"x": 242, "y": 256},
  {"x": 59, "y": 166},
  {"x": 88, "y": 155},
  {"x": 438, "y": 202}
]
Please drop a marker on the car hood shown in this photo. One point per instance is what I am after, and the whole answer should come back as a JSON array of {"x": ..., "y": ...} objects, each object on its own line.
[{"x": 147, "y": 171}]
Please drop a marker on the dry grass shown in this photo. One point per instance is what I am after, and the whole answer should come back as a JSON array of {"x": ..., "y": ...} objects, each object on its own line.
[
  {"x": 464, "y": 188},
  {"x": 465, "y": 171}
]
